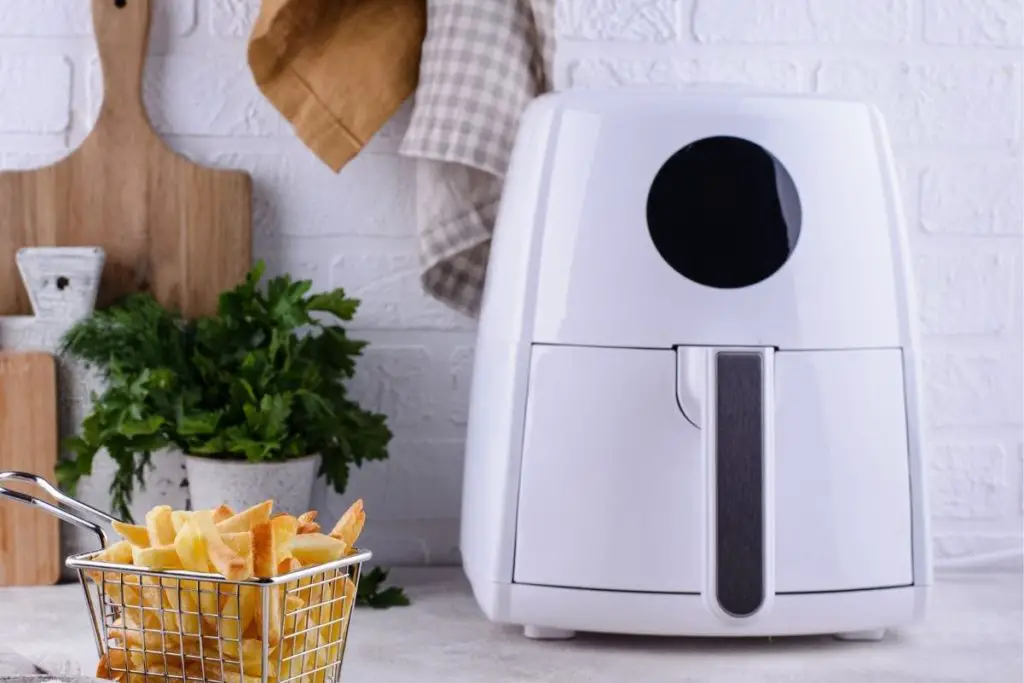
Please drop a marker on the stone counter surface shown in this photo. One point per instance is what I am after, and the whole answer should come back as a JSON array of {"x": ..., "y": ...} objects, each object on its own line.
[{"x": 972, "y": 635}]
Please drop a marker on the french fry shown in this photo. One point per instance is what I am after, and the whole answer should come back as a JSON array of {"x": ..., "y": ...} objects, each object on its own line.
[
  {"x": 342, "y": 601},
  {"x": 288, "y": 664},
  {"x": 264, "y": 550},
  {"x": 181, "y": 598},
  {"x": 162, "y": 557},
  {"x": 247, "y": 519},
  {"x": 178, "y": 519},
  {"x": 252, "y": 630},
  {"x": 119, "y": 553},
  {"x": 226, "y": 561},
  {"x": 155, "y": 615},
  {"x": 297, "y": 655},
  {"x": 307, "y": 525},
  {"x": 126, "y": 596},
  {"x": 285, "y": 528},
  {"x": 160, "y": 526},
  {"x": 103, "y": 669},
  {"x": 191, "y": 548},
  {"x": 131, "y": 636},
  {"x": 252, "y": 659},
  {"x": 288, "y": 565},
  {"x": 350, "y": 525},
  {"x": 152, "y": 668},
  {"x": 133, "y": 533},
  {"x": 152, "y": 591},
  {"x": 310, "y": 641},
  {"x": 320, "y": 663},
  {"x": 237, "y": 613},
  {"x": 222, "y": 513},
  {"x": 239, "y": 541},
  {"x": 235, "y": 677},
  {"x": 184, "y": 596},
  {"x": 113, "y": 665},
  {"x": 168, "y": 619},
  {"x": 310, "y": 549},
  {"x": 292, "y": 605},
  {"x": 264, "y": 565}
]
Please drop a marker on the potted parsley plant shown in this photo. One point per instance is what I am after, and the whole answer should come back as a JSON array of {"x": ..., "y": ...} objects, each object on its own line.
[{"x": 254, "y": 396}]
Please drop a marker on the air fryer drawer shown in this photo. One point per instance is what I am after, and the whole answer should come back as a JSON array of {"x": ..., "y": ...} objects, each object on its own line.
[
  {"x": 611, "y": 495},
  {"x": 842, "y": 481}
]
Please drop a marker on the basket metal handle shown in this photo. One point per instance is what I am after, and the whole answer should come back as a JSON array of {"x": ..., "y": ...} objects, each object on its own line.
[{"x": 76, "y": 506}]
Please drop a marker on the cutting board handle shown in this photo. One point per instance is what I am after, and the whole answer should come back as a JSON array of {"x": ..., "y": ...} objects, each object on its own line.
[{"x": 122, "y": 35}]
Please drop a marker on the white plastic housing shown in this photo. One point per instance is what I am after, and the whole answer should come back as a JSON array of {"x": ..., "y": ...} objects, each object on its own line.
[{"x": 589, "y": 492}]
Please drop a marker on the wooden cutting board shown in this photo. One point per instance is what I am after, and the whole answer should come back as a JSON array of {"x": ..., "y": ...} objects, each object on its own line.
[
  {"x": 168, "y": 226},
  {"x": 29, "y": 538}
]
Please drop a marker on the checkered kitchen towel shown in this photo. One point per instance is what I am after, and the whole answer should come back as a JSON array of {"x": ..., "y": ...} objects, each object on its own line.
[{"x": 482, "y": 63}]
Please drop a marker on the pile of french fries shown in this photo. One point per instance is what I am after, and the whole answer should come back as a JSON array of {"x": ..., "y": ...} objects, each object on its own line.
[{"x": 166, "y": 628}]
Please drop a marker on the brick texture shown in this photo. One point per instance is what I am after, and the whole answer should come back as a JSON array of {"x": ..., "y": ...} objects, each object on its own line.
[
  {"x": 973, "y": 22},
  {"x": 967, "y": 292},
  {"x": 780, "y": 75},
  {"x": 300, "y": 197},
  {"x": 945, "y": 73},
  {"x": 425, "y": 465},
  {"x": 973, "y": 388},
  {"x": 970, "y": 481},
  {"x": 803, "y": 21},
  {"x": 960, "y": 198},
  {"x": 935, "y": 103},
  {"x": 233, "y": 18},
  {"x": 393, "y": 380},
  {"x": 628, "y": 20},
  {"x": 27, "y": 108},
  {"x": 200, "y": 96},
  {"x": 386, "y": 278}
]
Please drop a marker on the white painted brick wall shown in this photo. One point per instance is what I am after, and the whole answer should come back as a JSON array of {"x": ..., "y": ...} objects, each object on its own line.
[{"x": 946, "y": 73}]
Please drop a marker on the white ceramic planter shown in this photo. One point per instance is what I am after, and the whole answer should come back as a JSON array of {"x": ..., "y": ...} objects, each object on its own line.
[{"x": 238, "y": 484}]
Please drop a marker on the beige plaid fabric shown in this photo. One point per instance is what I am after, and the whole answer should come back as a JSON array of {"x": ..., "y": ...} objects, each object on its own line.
[{"x": 482, "y": 63}]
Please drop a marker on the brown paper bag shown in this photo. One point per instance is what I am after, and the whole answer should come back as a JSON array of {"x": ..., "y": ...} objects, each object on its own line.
[{"x": 337, "y": 69}]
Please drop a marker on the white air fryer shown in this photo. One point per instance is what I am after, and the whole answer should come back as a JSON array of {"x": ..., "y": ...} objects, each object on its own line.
[{"x": 694, "y": 403}]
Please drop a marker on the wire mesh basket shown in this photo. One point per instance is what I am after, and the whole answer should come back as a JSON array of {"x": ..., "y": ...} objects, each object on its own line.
[{"x": 156, "y": 626}]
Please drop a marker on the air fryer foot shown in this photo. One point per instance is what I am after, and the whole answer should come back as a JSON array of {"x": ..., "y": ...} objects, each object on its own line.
[
  {"x": 545, "y": 633},
  {"x": 871, "y": 636}
]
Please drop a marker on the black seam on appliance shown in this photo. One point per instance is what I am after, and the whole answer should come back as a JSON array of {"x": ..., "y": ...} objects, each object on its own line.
[
  {"x": 848, "y": 590},
  {"x": 872, "y": 589},
  {"x": 604, "y": 590},
  {"x": 739, "y": 347}
]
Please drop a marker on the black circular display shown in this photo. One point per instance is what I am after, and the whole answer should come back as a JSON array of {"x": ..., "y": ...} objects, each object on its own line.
[{"x": 724, "y": 213}]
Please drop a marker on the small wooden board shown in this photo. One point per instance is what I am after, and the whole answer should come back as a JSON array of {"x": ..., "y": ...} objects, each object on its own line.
[{"x": 29, "y": 537}]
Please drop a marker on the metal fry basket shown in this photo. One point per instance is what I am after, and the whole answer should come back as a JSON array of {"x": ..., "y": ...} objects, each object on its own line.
[{"x": 164, "y": 626}]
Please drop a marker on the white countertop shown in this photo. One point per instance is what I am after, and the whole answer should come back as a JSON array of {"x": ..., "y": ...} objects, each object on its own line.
[{"x": 972, "y": 635}]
